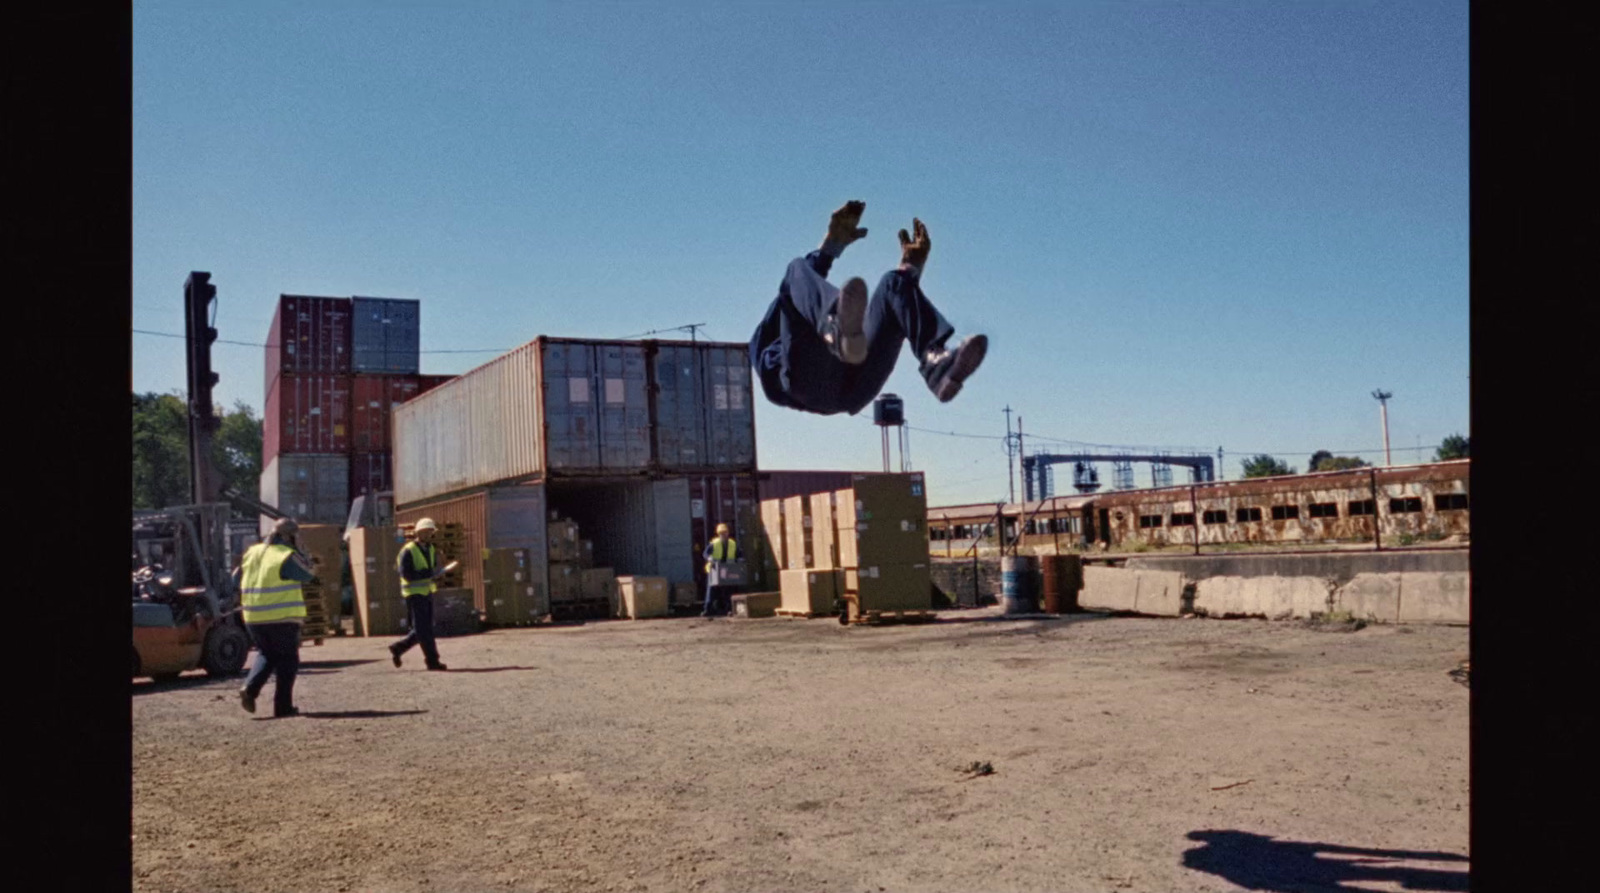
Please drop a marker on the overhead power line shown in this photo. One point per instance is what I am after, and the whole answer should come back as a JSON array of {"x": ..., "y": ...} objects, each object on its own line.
[{"x": 255, "y": 344}]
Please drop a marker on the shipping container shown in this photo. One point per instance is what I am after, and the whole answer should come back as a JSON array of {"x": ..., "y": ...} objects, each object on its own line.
[
  {"x": 426, "y": 383},
  {"x": 372, "y": 402},
  {"x": 312, "y": 489},
  {"x": 498, "y": 518},
  {"x": 725, "y": 499},
  {"x": 306, "y": 414},
  {"x": 638, "y": 527},
  {"x": 308, "y": 336},
  {"x": 384, "y": 335},
  {"x": 369, "y": 474},
  {"x": 783, "y": 484},
  {"x": 559, "y": 407}
]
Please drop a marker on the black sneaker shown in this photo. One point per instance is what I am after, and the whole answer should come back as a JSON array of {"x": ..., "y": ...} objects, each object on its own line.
[
  {"x": 293, "y": 711},
  {"x": 437, "y": 667},
  {"x": 846, "y": 329},
  {"x": 946, "y": 370},
  {"x": 247, "y": 701},
  {"x": 395, "y": 656}
]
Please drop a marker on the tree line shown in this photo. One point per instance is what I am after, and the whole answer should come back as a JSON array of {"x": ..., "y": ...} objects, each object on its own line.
[
  {"x": 1259, "y": 466},
  {"x": 161, "y": 451}
]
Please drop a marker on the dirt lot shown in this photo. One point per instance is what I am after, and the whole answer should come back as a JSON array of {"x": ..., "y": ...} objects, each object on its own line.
[{"x": 1128, "y": 754}]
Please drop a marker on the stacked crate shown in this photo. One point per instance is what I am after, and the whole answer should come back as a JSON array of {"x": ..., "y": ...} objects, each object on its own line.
[
  {"x": 321, "y": 544},
  {"x": 512, "y": 597},
  {"x": 380, "y": 609},
  {"x": 882, "y": 541},
  {"x": 450, "y": 544},
  {"x": 807, "y": 580},
  {"x": 578, "y": 589}
]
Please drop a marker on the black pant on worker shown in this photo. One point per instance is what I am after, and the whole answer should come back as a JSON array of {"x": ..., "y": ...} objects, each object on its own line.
[
  {"x": 278, "y": 654},
  {"x": 419, "y": 610},
  {"x": 799, "y": 369}
]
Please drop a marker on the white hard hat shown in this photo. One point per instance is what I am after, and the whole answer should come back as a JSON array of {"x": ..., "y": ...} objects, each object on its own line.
[{"x": 427, "y": 524}]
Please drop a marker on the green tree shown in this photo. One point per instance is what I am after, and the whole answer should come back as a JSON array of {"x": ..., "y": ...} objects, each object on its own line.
[
  {"x": 1453, "y": 447},
  {"x": 1322, "y": 460},
  {"x": 1265, "y": 466},
  {"x": 161, "y": 450}
]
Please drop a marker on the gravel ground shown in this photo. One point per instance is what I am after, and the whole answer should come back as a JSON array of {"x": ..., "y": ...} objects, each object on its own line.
[{"x": 979, "y": 752}]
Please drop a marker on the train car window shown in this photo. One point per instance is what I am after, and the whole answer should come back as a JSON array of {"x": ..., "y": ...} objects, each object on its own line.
[
  {"x": 1250, "y": 514},
  {"x": 1449, "y": 501},
  {"x": 1405, "y": 504},
  {"x": 1362, "y": 507},
  {"x": 1215, "y": 516},
  {"x": 1149, "y": 520},
  {"x": 1285, "y": 512},
  {"x": 1182, "y": 519},
  {"x": 1324, "y": 510}
]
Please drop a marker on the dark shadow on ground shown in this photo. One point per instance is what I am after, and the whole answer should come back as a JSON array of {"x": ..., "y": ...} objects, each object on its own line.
[
  {"x": 357, "y": 714},
  {"x": 1259, "y": 862},
  {"x": 963, "y": 617},
  {"x": 328, "y": 666},
  {"x": 193, "y": 679},
  {"x": 485, "y": 669}
]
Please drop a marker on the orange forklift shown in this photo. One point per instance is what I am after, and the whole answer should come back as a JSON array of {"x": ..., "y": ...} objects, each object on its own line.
[{"x": 185, "y": 612}]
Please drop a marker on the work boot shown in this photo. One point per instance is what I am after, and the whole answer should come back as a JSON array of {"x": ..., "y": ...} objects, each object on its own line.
[
  {"x": 437, "y": 667},
  {"x": 847, "y": 328},
  {"x": 914, "y": 247},
  {"x": 945, "y": 370},
  {"x": 247, "y": 701},
  {"x": 292, "y": 711},
  {"x": 394, "y": 656}
]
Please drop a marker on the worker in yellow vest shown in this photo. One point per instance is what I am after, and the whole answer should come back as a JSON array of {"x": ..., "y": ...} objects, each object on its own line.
[
  {"x": 268, "y": 580},
  {"x": 419, "y": 568},
  {"x": 718, "y": 552}
]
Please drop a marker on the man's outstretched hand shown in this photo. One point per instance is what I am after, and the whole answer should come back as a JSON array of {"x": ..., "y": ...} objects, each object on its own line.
[
  {"x": 914, "y": 249},
  {"x": 844, "y": 227}
]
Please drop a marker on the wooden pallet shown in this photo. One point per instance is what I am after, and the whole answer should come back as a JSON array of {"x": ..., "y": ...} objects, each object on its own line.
[
  {"x": 893, "y": 617},
  {"x": 805, "y": 615}
]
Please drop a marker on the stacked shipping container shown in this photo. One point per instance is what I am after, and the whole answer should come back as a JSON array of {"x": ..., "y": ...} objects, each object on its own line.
[{"x": 335, "y": 370}]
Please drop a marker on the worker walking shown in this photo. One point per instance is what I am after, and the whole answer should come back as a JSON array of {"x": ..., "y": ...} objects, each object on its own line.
[
  {"x": 268, "y": 579},
  {"x": 827, "y": 350},
  {"x": 719, "y": 552},
  {"x": 419, "y": 567}
]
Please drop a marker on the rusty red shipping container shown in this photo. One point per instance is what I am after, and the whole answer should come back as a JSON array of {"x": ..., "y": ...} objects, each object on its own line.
[
  {"x": 372, "y": 402},
  {"x": 783, "y": 484},
  {"x": 309, "y": 336},
  {"x": 426, "y": 383},
  {"x": 306, "y": 414},
  {"x": 369, "y": 473}
]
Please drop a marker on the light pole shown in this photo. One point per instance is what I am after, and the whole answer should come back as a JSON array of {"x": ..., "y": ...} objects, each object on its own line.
[{"x": 1383, "y": 410}]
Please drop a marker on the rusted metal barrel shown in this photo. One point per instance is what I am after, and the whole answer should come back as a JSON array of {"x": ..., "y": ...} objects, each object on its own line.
[{"x": 1062, "y": 576}]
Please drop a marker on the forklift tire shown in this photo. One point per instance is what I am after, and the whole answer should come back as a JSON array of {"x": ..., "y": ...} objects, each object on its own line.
[{"x": 225, "y": 650}]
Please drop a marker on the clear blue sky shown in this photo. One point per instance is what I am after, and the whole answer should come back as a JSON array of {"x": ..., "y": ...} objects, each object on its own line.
[{"x": 1192, "y": 224}]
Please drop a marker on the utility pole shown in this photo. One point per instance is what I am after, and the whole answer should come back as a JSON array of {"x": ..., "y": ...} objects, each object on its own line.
[
  {"x": 1011, "y": 477},
  {"x": 1383, "y": 410},
  {"x": 198, "y": 296}
]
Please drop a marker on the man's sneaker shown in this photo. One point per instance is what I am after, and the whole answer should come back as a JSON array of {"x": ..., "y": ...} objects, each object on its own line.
[
  {"x": 850, "y": 322},
  {"x": 293, "y": 711},
  {"x": 247, "y": 701},
  {"x": 437, "y": 667},
  {"x": 945, "y": 370},
  {"x": 395, "y": 656}
]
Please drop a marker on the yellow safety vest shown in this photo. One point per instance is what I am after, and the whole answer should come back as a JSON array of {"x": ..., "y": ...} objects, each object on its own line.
[
  {"x": 422, "y": 559},
  {"x": 264, "y": 595},
  {"x": 717, "y": 550}
]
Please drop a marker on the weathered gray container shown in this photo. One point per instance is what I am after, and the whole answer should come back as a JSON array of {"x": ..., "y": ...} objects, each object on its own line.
[
  {"x": 385, "y": 335},
  {"x": 562, "y": 407},
  {"x": 311, "y": 488}
]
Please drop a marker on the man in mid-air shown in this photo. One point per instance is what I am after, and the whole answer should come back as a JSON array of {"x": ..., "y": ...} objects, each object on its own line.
[{"x": 828, "y": 350}]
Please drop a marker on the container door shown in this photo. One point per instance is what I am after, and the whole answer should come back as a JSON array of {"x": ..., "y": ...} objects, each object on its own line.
[
  {"x": 680, "y": 429},
  {"x": 675, "y": 553},
  {"x": 570, "y": 407},
  {"x": 624, "y": 408}
]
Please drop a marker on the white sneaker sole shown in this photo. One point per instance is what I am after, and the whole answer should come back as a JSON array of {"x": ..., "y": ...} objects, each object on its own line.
[{"x": 853, "y": 321}]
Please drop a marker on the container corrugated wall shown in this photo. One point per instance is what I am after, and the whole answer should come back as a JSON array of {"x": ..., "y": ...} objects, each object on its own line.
[
  {"x": 372, "y": 401},
  {"x": 497, "y": 518},
  {"x": 369, "y": 473},
  {"x": 384, "y": 335},
  {"x": 477, "y": 429},
  {"x": 637, "y": 526},
  {"x": 704, "y": 418},
  {"x": 783, "y": 484},
  {"x": 472, "y": 513},
  {"x": 306, "y": 414},
  {"x": 309, "y": 336},
  {"x": 313, "y": 489}
]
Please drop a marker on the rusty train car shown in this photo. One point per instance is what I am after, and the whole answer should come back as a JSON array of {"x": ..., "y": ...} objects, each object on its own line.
[{"x": 1396, "y": 505}]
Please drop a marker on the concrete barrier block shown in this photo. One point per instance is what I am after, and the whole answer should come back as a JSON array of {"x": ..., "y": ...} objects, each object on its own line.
[
  {"x": 1220, "y": 596},
  {"x": 1304, "y": 596},
  {"x": 1109, "y": 588},
  {"x": 1435, "y": 598},
  {"x": 1159, "y": 592},
  {"x": 1371, "y": 597}
]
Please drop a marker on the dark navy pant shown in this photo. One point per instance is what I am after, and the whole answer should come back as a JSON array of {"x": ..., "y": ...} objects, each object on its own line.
[
  {"x": 796, "y": 366},
  {"x": 419, "y": 608},
  {"x": 278, "y": 654},
  {"x": 719, "y": 600}
]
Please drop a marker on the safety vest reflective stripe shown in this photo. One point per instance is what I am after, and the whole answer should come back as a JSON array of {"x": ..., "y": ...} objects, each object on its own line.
[
  {"x": 264, "y": 595},
  {"x": 422, "y": 559}
]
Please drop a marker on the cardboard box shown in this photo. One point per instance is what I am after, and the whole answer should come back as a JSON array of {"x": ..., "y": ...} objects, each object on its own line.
[
  {"x": 757, "y": 604},
  {"x": 772, "y": 534},
  {"x": 797, "y": 532},
  {"x": 809, "y": 591},
  {"x": 585, "y": 557},
  {"x": 565, "y": 582},
  {"x": 640, "y": 597},
  {"x": 685, "y": 593},
  {"x": 324, "y": 545},
  {"x": 562, "y": 539},
  {"x": 380, "y": 609},
  {"x": 884, "y": 521},
  {"x": 597, "y": 583},
  {"x": 511, "y": 594},
  {"x": 894, "y": 587},
  {"x": 824, "y": 539}
]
